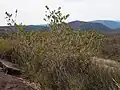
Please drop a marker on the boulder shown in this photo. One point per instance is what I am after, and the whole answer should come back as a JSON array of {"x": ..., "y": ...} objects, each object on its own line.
[{"x": 9, "y": 67}]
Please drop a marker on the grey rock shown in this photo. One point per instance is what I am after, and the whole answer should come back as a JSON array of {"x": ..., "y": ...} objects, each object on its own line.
[{"x": 9, "y": 67}]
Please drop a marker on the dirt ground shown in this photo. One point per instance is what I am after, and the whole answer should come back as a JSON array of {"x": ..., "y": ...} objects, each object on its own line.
[{"x": 9, "y": 82}]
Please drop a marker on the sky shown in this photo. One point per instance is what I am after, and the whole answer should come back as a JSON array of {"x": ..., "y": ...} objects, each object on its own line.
[{"x": 33, "y": 11}]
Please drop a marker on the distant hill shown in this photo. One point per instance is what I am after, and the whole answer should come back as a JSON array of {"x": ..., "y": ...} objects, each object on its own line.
[
  {"x": 117, "y": 29},
  {"x": 28, "y": 28},
  {"x": 37, "y": 27},
  {"x": 89, "y": 26},
  {"x": 109, "y": 23},
  {"x": 76, "y": 25},
  {"x": 6, "y": 29}
]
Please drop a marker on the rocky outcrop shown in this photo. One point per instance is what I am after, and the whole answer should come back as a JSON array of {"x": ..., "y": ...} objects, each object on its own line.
[
  {"x": 10, "y": 78},
  {"x": 9, "y": 67},
  {"x": 8, "y": 82}
]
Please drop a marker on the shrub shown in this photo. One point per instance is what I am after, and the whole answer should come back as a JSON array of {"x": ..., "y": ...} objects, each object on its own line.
[
  {"x": 61, "y": 59},
  {"x": 5, "y": 45},
  {"x": 54, "y": 58},
  {"x": 110, "y": 49}
]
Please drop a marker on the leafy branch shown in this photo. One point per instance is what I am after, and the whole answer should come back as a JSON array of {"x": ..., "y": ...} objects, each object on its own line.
[
  {"x": 55, "y": 18},
  {"x": 9, "y": 18}
]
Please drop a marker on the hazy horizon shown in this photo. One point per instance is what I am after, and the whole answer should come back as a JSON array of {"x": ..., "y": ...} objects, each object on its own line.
[{"x": 32, "y": 12}]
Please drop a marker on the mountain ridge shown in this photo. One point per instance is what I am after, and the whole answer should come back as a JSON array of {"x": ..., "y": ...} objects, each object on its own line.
[
  {"x": 76, "y": 25},
  {"x": 109, "y": 23},
  {"x": 88, "y": 26}
]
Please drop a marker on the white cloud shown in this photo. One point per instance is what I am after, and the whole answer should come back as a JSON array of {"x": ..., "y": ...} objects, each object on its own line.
[{"x": 32, "y": 11}]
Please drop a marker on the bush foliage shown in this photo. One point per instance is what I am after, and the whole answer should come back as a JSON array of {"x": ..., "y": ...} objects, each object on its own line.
[
  {"x": 110, "y": 49},
  {"x": 54, "y": 57},
  {"x": 59, "y": 59}
]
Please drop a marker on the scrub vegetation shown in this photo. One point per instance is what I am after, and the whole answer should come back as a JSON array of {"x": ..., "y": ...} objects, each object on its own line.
[{"x": 62, "y": 58}]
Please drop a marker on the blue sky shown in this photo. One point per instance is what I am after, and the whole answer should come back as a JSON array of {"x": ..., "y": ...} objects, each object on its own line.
[{"x": 33, "y": 11}]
